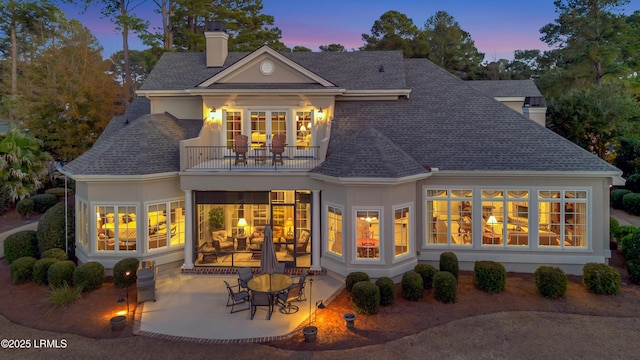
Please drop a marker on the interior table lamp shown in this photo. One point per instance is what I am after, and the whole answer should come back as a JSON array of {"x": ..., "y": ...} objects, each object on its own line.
[
  {"x": 288, "y": 225},
  {"x": 492, "y": 221},
  {"x": 241, "y": 224}
]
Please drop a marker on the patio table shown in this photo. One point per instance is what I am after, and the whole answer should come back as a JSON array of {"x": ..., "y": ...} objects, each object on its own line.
[{"x": 270, "y": 283}]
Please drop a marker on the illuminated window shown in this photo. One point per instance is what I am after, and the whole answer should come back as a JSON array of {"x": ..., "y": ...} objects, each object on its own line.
[{"x": 334, "y": 230}]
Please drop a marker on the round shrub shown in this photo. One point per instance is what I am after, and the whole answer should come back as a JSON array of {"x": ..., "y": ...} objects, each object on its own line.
[
  {"x": 89, "y": 276},
  {"x": 120, "y": 269},
  {"x": 631, "y": 203},
  {"x": 631, "y": 245},
  {"x": 633, "y": 268},
  {"x": 43, "y": 202},
  {"x": 51, "y": 230},
  {"x": 41, "y": 270},
  {"x": 601, "y": 279},
  {"x": 614, "y": 227},
  {"x": 490, "y": 276},
  {"x": 412, "y": 287},
  {"x": 616, "y": 198},
  {"x": 55, "y": 253},
  {"x": 445, "y": 287},
  {"x": 366, "y": 297},
  {"x": 551, "y": 281},
  {"x": 426, "y": 271},
  {"x": 21, "y": 269},
  {"x": 387, "y": 290},
  {"x": 61, "y": 272},
  {"x": 449, "y": 263},
  {"x": 20, "y": 244},
  {"x": 25, "y": 207},
  {"x": 58, "y": 192},
  {"x": 354, "y": 278}
]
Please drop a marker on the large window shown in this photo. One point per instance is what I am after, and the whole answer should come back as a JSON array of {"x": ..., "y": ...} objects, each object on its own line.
[
  {"x": 165, "y": 228},
  {"x": 233, "y": 126},
  {"x": 116, "y": 228},
  {"x": 401, "y": 231},
  {"x": 367, "y": 234},
  {"x": 449, "y": 216},
  {"x": 562, "y": 215},
  {"x": 334, "y": 230},
  {"x": 303, "y": 128},
  {"x": 505, "y": 217}
]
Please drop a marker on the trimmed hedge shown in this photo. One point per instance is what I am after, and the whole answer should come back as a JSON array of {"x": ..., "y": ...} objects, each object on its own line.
[
  {"x": 55, "y": 253},
  {"x": 43, "y": 202},
  {"x": 58, "y": 192},
  {"x": 354, "y": 278},
  {"x": 25, "y": 207},
  {"x": 51, "y": 228},
  {"x": 614, "y": 227},
  {"x": 631, "y": 203},
  {"x": 633, "y": 268},
  {"x": 41, "y": 270},
  {"x": 20, "y": 244},
  {"x": 21, "y": 270},
  {"x": 445, "y": 287},
  {"x": 119, "y": 270},
  {"x": 89, "y": 276},
  {"x": 366, "y": 297},
  {"x": 426, "y": 271},
  {"x": 601, "y": 279},
  {"x": 60, "y": 273},
  {"x": 490, "y": 276},
  {"x": 551, "y": 281},
  {"x": 616, "y": 196},
  {"x": 387, "y": 290},
  {"x": 449, "y": 263},
  {"x": 412, "y": 286}
]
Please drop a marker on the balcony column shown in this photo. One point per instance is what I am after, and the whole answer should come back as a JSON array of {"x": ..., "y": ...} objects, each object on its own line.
[
  {"x": 188, "y": 230},
  {"x": 315, "y": 231}
]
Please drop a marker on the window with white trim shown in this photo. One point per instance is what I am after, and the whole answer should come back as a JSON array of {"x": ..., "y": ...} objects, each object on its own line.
[
  {"x": 116, "y": 228},
  {"x": 166, "y": 228},
  {"x": 448, "y": 214},
  {"x": 367, "y": 234},
  {"x": 562, "y": 215},
  {"x": 334, "y": 229},
  {"x": 401, "y": 231}
]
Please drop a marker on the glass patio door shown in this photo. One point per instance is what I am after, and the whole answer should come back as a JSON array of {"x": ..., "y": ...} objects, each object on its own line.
[
  {"x": 265, "y": 124},
  {"x": 282, "y": 218}
]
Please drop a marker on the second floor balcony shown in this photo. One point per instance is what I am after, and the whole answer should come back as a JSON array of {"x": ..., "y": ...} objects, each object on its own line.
[{"x": 224, "y": 158}]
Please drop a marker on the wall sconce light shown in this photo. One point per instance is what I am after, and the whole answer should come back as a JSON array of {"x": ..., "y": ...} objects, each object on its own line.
[
  {"x": 320, "y": 114},
  {"x": 213, "y": 115}
]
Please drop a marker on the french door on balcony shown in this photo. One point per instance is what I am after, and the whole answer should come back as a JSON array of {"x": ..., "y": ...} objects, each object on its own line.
[{"x": 264, "y": 125}]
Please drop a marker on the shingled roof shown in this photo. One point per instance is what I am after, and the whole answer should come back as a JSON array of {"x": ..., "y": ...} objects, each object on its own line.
[
  {"x": 136, "y": 144},
  {"x": 506, "y": 88},
  {"x": 369, "y": 154}
]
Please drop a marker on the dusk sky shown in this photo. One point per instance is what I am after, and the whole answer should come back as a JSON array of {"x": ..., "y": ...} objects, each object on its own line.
[{"x": 498, "y": 27}]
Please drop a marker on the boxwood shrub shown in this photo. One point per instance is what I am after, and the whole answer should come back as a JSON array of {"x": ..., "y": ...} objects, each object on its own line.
[
  {"x": 633, "y": 183},
  {"x": 551, "y": 281},
  {"x": 601, "y": 278},
  {"x": 631, "y": 203},
  {"x": 445, "y": 287},
  {"x": 89, "y": 276},
  {"x": 387, "y": 290},
  {"x": 120, "y": 269},
  {"x": 58, "y": 192},
  {"x": 614, "y": 227},
  {"x": 449, "y": 263},
  {"x": 616, "y": 198},
  {"x": 55, "y": 253},
  {"x": 355, "y": 277},
  {"x": 366, "y": 297},
  {"x": 426, "y": 271},
  {"x": 20, "y": 244},
  {"x": 412, "y": 287},
  {"x": 61, "y": 272},
  {"x": 21, "y": 270},
  {"x": 51, "y": 228},
  {"x": 25, "y": 207},
  {"x": 490, "y": 276},
  {"x": 633, "y": 268},
  {"x": 43, "y": 202},
  {"x": 41, "y": 270}
]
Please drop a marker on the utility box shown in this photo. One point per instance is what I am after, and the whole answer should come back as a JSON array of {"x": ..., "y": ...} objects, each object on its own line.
[{"x": 146, "y": 282}]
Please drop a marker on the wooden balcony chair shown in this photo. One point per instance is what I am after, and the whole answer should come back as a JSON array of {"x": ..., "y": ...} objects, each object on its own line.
[
  {"x": 277, "y": 148},
  {"x": 240, "y": 148}
]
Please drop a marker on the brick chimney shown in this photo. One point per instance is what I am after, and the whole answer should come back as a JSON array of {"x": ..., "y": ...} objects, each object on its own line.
[{"x": 217, "y": 41}]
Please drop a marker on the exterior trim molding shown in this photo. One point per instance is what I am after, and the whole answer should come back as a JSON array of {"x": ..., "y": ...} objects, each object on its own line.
[{"x": 369, "y": 181}]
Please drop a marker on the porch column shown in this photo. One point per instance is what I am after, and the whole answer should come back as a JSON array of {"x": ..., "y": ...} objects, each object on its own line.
[
  {"x": 188, "y": 230},
  {"x": 315, "y": 231}
]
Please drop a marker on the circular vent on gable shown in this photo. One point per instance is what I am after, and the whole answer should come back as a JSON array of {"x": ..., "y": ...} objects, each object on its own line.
[{"x": 266, "y": 67}]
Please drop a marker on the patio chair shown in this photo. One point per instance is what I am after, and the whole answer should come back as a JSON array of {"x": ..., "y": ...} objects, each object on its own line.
[
  {"x": 286, "y": 298},
  {"x": 240, "y": 148},
  {"x": 302, "y": 281},
  {"x": 261, "y": 299},
  {"x": 277, "y": 148},
  {"x": 244, "y": 275},
  {"x": 236, "y": 297}
]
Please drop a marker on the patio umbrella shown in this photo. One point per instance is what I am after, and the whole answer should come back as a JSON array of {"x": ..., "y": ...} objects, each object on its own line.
[{"x": 268, "y": 259}]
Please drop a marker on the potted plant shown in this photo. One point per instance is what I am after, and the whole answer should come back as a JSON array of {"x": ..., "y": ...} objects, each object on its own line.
[
  {"x": 310, "y": 333},
  {"x": 216, "y": 218}
]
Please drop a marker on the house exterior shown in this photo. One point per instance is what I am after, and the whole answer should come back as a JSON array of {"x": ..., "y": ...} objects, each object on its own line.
[{"x": 387, "y": 162}]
